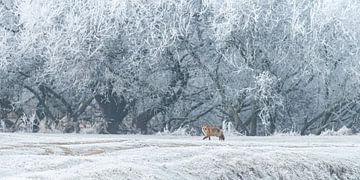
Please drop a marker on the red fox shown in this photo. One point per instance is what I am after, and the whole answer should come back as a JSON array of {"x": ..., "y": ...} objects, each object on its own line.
[{"x": 212, "y": 131}]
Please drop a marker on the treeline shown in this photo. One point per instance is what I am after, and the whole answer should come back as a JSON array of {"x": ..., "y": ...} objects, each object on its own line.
[{"x": 143, "y": 66}]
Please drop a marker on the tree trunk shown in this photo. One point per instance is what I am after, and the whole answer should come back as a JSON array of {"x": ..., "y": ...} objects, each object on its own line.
[
  {"x": 179, "y": 75},
  {"x": 323, "y": 123},
  {"x": 253, "y": 122},
  {"x": 143, "y": 118},
  {"x": 5, "y": 108},
  {"x": 114, "y": 108},
  {"x": 72, "y": 115},
  {"x": 272, "y": 125},
  {"x": 42, "y": 108}
]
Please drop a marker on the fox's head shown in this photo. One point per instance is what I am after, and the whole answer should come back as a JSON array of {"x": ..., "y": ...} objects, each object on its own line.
[{"x": 205, "y": 126}]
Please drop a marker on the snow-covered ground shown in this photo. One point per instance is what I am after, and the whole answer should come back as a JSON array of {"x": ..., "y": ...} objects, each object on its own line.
[{"x": 80, "y": 156}]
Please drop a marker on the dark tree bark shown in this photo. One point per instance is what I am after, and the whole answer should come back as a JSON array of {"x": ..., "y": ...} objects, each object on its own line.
[
  {"x": 5, "y": 108},
  {"x": 72, "y": 114},
  {"x": 179, "y": 75},
  {"x": 143, "y": 118},
  {"x": 272, "y": 125},
  {"x": 253, "y": 126},
  {"x": 323, "y": 124},
  {"x": 42, "y": 107},
  {"x": 253, "y": 121},
  {"x": 324, "y": 115},
  {"x": 114, "y": 108}
]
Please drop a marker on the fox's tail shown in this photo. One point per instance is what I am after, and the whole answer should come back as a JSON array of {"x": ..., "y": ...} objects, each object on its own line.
[{"x": 222, "y": 137}]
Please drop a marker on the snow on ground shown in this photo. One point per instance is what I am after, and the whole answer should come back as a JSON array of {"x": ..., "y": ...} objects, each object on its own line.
[{"x": 80, "y": 156}]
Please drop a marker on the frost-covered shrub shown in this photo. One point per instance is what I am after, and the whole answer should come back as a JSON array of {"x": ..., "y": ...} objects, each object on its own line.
[
  {"x": 344, "y": 131},
  {"x": 229, "y": 129},
  {"x": 89, "y": 130},
  {"x": 182, "y": 131},
  {"x": 290, "y": 133},
  {"x": 5, "y": 125},
  {"x": 29, "y": 124}
]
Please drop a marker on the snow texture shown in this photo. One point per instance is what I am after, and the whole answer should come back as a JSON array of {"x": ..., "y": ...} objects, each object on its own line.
[{"x": 79, "y": 156}]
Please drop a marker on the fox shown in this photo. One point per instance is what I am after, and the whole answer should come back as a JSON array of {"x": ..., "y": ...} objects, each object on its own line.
[{"x": 212, "y": 131}]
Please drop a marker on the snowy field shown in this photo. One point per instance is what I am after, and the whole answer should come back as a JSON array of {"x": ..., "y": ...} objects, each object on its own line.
[{"x": 79, "y": 156}]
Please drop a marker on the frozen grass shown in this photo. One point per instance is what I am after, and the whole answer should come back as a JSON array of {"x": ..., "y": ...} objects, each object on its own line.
[
  {"x": 80, "y": 156},
  {"x": 344, "y": 131}
]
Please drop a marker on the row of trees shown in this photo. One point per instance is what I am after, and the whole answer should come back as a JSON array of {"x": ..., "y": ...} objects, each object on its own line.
[{"x": 145, "y": 66}]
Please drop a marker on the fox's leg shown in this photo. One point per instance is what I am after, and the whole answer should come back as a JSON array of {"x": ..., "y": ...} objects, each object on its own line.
[
  {"x": 209, "y": 138},
  {"x": 205, "y": 137}
]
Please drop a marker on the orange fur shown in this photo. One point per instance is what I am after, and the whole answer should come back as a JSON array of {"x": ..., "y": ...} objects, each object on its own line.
[{"x": 212, "y": 131}]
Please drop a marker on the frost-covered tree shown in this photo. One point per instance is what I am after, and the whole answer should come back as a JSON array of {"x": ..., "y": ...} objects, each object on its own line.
[{"x": 145, "y": 66}]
